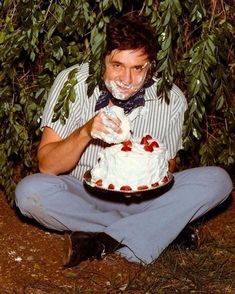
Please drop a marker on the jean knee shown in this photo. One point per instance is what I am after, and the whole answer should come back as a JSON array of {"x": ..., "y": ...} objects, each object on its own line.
[
  {"x": 26, "y": 193},
  {"x": 221, "y": 183},
  {"x": 223, "y": 178}
]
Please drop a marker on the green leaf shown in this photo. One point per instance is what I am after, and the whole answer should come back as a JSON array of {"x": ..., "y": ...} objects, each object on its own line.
[
  {"x": 210, "y": 45},
  {"x": 166, "y": 17},
  {"x": 2, "y": 37},
  {"x": 32, "y": 56},
  {"x": 148, "y": 11},
  {"x": 177, "y": 7},
  {"x": 210, "y": 58},
  {"x": 66, "y": 109},
  {"x": 118, "y": 4},
  {"x": 97, "y": 41},
  {"x": 55, "y": 117},
  {"x": 204, "y": 78},
  {"x": 101, "y": 24},
  {"x": 161, "y": 65},
  {"x": 72, "y": 94},
  {"x": 196, "y": 134},
  {"x": 192, "y": 106},
  {"x": 194, "y": 86},
  {"x": 105, "y": 4},
  {"x": 58, "y": 107},
  {"x": 166, "y": 43},
  {"x": 196, "y": 58},
  {"x": 161, "y": 54},
  {"x": 148, "y": 2},
  {"x": 220, "y": 102}
]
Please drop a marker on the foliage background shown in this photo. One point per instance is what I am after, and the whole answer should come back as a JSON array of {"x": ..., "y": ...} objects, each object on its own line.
[{"x": 40, "y": 38}]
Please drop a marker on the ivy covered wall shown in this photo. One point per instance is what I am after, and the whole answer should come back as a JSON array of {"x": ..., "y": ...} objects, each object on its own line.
[{"x": 40, "y": 38}]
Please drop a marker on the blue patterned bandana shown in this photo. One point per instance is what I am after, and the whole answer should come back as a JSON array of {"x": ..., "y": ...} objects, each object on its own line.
[{"x": 127, "y": 105}]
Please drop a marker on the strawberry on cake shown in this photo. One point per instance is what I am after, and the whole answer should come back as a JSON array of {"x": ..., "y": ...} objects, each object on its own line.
[{"x": 133, "y": 165}]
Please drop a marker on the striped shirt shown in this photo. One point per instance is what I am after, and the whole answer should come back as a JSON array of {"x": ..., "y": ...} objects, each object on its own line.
[{"x": 161, "y": 121}]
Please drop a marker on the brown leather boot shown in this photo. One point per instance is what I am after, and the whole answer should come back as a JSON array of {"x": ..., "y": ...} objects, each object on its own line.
[
  {"x": 190, "y": 238},
  {"x": 80, "y": 246}
]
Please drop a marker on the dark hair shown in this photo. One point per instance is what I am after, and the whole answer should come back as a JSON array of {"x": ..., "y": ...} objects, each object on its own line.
[{"x": 131, "y": 32}]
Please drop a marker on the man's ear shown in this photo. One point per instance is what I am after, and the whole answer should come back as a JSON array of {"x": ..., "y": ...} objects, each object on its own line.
[
  {"x": 153, "y": 67},
  {"x": 151, "y": 71}
]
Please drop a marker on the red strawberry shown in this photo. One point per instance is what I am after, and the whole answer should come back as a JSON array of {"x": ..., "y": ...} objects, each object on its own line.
[
  {"x": 148, "y": 137},
  {"x": 99, "y": 183},
  {"x": 165, "y": 179},
  {"x": 111, "y": 187},
  {"x": 148, "y": 148},
  {"x": 143, "y": 187},
  {"x": 154, "y": 144},
  {"x": 144, "y": 141},
  {"x": 127, "y": 143},
  {"x": 155, "y": 185},
  {"x": 126, "y": 148},
  {"x": 125, "y": 188}
]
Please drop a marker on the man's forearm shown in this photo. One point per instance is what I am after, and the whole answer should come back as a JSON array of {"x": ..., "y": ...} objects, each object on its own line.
[{"x": 61, "y": 156}]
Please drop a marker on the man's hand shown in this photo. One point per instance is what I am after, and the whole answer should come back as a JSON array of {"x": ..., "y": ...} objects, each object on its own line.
[
  {"x": 104, "y": 124},
  {"x": 172, "y": 165}
]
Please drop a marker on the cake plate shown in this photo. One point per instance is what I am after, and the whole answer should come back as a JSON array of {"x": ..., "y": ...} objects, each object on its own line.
[{"x": 119, "y": 196}]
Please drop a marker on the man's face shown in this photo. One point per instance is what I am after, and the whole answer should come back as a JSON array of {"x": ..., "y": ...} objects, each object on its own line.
[{"x": 125, "y": 72}]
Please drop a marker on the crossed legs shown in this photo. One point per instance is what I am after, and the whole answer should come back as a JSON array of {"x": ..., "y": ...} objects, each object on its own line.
[{"x": 146, "y": 228}]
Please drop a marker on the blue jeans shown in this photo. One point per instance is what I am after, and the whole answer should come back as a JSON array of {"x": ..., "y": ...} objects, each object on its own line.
[{"x": 146, "y": 228}]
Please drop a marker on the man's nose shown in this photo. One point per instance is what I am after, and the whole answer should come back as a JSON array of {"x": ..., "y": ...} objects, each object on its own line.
[{"x": 126, "y": 76}]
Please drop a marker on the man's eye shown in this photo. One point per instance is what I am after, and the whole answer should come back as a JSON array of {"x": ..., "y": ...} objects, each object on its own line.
[
  {"x": 139, "y": 68},
  {"x": 116, "y": 65}
]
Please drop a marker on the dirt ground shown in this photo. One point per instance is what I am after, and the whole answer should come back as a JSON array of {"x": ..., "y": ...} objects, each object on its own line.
[{"x": 31, "y": 258}]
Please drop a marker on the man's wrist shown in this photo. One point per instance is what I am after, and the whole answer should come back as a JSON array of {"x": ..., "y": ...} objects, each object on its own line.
[{"x": 84, "y": 134}]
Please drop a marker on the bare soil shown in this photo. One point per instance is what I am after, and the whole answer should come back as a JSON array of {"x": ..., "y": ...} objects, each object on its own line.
[{"x": 31, "y": 261}]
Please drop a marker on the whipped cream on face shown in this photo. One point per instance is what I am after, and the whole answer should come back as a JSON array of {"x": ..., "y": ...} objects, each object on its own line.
[
  {"x": 136, "y": 168},
  {"x": 113, "y": 86}
]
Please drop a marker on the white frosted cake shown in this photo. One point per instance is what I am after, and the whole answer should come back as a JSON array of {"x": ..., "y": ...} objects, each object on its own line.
[{"x": 131, "y": 166}]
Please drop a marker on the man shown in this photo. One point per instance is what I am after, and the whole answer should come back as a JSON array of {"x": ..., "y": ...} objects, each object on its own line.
[{"x": 56, "y": 197}]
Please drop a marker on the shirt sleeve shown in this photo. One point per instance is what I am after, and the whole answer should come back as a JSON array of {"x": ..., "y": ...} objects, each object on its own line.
[
  {"x": 174, "y": 134},
  {"x": 71, "y": 122}
]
